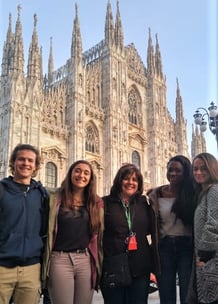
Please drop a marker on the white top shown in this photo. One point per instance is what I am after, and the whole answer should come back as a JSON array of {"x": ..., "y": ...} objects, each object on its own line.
[{"x": 169, "y": 224}]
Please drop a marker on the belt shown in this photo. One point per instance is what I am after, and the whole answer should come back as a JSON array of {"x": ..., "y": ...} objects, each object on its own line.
[{"x": 85, "y": 250}]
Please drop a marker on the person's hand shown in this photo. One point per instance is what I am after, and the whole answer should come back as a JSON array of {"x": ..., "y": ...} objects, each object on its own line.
[{"x": 199, "y": 263}]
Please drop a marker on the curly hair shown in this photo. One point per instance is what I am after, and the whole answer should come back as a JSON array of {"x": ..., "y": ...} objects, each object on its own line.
[{"x": 21, "y": 147}]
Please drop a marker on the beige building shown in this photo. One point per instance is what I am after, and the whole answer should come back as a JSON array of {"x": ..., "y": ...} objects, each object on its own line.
[{"x": 104, "y": 105}]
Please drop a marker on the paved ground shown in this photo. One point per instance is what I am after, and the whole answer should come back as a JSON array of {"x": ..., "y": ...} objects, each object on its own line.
[{"x": 153, "y": 298}]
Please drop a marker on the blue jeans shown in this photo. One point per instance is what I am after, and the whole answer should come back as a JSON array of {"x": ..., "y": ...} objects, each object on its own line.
[
  {"x": 136, "y": 293},
  {"x": 176, "y": 254}
]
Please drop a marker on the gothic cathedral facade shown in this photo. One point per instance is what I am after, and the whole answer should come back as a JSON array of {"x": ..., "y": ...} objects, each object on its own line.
[{"x": 104, "y": 105}]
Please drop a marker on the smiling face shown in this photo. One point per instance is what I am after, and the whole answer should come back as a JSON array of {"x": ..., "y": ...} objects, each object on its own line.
[
  {"x": 129, "y": 186},
  {"x": 200, "y": 172},
  {"x": 24, "y": 166},
  {"x": 175, "y": 173},
  {"x": 81, "y": 175}
]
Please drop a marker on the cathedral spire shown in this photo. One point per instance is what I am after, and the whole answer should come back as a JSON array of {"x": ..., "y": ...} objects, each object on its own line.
[
  {"x": 10, "y": 35},
  {"x": 8, "y": 50},
  {"x": 118, "y": 29},
  {"x": 34, "y": 58},
  {"x": 198, "y": 142},
  {"x": 181, "y": 133},
  {"x": 109, "y": 26},
  {"x": 41, "y": 65},
  {"x": 158, "y": 60},
  {"x": 196, "y": 130},
  {"x": 50, "y": 63},
  {"x": 150, "y": 55},
  {"x": 18, "y": 45},
  {"x": 179, "y": 106},
  {"x": 76, "y": 46}
]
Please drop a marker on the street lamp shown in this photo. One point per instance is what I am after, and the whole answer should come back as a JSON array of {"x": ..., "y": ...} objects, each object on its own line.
[{"x": 212, "y": 119}]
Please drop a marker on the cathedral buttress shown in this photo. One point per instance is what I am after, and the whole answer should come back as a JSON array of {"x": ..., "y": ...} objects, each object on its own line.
[
  {"x": 75, "y": 111},
  {"x": 12, "y": 93},
  {"x": 159, "y": 124},
  {"x": 114, "y": 98}
]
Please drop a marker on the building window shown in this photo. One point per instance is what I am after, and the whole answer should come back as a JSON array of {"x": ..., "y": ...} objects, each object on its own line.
[
  {"x": 136, "y": 159},
  {"x": 92, "y": 139},
  {"x": 135, "y": 107},
  {"x": 132, "y": 101},
  {"x": 50, "y": 175}
]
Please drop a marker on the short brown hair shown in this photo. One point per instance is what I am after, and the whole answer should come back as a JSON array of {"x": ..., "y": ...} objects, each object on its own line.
[{"x": 123, "y": 172}]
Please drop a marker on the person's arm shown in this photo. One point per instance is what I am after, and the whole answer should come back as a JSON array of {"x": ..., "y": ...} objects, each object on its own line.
[{"x": 209, "y": 237}]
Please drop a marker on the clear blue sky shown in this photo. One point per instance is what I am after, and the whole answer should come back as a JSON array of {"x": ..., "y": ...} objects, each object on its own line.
[{"x": 187, "y": 33}]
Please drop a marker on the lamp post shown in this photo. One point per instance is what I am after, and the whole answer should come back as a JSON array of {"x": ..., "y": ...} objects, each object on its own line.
[{"x": 212, "y": 119}]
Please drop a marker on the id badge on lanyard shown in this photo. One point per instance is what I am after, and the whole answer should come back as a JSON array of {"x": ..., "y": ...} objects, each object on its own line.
[{"x": 131, "y": 240}]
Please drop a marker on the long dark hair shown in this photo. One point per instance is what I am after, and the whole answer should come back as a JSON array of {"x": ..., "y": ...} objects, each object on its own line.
[
  {"x": 184, "y": 205},
  {"x": 66, "y": 190},
  {"x": 124, "y": 171}
]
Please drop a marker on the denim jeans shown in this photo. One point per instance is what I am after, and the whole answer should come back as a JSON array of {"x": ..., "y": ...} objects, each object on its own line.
[
  {"x": 136, "y": 293},
  {"x": 176, "y": 254}
]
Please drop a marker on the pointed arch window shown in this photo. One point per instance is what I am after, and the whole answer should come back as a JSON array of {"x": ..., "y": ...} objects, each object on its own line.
[
  {"x": 92, "y": 139},
  {"x": 136, "y": 159},
  {"x": 98, "y": 96},
  {"x": 51, "y": 175},
  {"x": 25, "y": 133},
  {"x": 88, "y": 96},
  {"x": 132, "y": 101},
  {"x": 80, "y": 80},
  {"x": 93, "y": 96}
]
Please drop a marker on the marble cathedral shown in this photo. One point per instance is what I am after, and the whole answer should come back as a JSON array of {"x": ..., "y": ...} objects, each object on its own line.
[{"x": 104, "y": 105}]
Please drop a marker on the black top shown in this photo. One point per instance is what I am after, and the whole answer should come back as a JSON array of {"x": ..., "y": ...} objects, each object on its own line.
[{"x": 73, "y": 229}]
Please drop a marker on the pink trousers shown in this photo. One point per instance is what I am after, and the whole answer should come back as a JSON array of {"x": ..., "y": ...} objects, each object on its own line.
[{"x": 70, "y": 278}]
